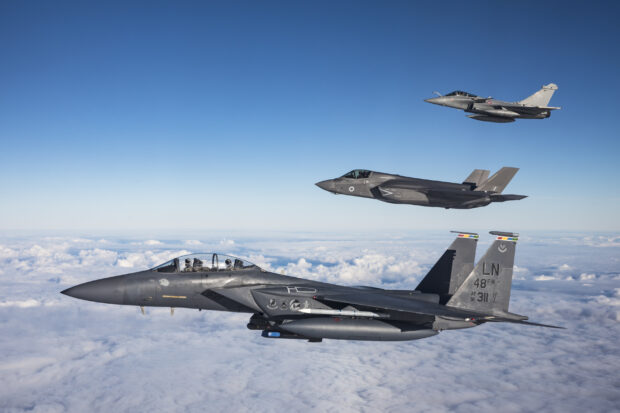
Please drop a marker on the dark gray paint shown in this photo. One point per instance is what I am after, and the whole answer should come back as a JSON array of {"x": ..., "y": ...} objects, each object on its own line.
[
  {"x": 294, "y": 308},
  {"x": 398, "y": 189}
]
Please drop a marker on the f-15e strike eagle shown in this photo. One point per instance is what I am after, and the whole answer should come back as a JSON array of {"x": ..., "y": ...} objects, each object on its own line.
[
  {"x": 493, "y": 110},
  {"x": 477, "y": 190},
  {"x": 453, "y": 295}
]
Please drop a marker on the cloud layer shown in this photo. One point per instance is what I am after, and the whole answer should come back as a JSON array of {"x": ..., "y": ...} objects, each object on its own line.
[{"x": 60, "y": 354}]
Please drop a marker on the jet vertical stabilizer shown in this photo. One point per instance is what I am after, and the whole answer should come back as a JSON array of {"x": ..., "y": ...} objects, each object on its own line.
[
  {"x": 498, "y": 182},
  {"x": 487, "y": 288},
  {"x": 477, "y": 177},
  {"x": 452, "y": 267},
  {"x": 542, "y": 97}
]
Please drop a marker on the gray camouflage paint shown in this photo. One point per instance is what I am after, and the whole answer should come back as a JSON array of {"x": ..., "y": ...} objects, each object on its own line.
[
  {"x": 476, "y": 191},
  {"x": 295, "y": 308},
  {"x": 499, "y": 111}
]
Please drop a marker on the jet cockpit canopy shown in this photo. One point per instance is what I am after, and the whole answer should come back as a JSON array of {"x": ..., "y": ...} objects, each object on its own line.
[
  {"x": 461, "y": 93},
  {"x": 357, "y": 174},
  {"x": 205, "y": 262}
]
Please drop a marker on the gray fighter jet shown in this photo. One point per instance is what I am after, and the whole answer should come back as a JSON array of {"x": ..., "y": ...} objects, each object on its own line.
[
  {"x": 476, "y": 191},
  {"x": 493, "y": 110},
  {"x": 453, "y": 295}
]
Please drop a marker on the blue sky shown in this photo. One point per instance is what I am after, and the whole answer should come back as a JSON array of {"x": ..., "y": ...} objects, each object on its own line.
[{"x": 134, "y": 116}]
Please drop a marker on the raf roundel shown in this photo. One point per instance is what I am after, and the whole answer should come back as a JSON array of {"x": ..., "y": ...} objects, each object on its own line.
[
  {"x": 351, "y": 188},
  {"x": 164, "y": 282}
]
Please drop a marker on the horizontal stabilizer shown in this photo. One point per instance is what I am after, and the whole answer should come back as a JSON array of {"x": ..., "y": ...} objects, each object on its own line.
[
  {"x": 503, "y": 198},
  {"x": 529, "y": 323}
]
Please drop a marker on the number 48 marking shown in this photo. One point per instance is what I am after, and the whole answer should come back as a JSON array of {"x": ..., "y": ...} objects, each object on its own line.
[{"x": 480, "y": 283}]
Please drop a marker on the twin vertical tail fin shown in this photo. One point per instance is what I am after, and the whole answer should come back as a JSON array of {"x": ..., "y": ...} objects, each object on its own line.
[
  {"x": 498, "y": 182},
  {"x": 487, "y": 288},
  {"x": 453, "y": 266},
  {"x": 542, "y": 97},
  {"x": 477, "y": 177}
]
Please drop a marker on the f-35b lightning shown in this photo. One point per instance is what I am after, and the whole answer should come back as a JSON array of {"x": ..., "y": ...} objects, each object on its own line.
[
  {"x": 493, "y": 110},
  {"x": 477, "y": 190},
  {"x": 453, "y": 295}
]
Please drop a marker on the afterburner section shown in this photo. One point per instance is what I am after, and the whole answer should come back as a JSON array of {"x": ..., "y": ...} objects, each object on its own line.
[{"x": 205, "y": 263}]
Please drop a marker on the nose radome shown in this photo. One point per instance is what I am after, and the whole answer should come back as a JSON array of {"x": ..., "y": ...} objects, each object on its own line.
[
  {"x": 107, "y": 290},
  {"x": 327, "y": 185},
  {"x": 436, "y": 101}
]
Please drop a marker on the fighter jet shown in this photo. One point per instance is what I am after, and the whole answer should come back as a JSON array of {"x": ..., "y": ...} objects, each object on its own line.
[
  {"x": 493, "y": 110},
  {"x": 453, "y": 295},
  {"x": 477, "y": 190}
]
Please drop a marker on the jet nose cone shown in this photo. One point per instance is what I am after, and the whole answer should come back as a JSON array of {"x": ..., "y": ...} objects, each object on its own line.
[
  {"x": 435, "y": 101},
  {"x": 107, "y": 290},
  {"x": 327, "y": 185}
]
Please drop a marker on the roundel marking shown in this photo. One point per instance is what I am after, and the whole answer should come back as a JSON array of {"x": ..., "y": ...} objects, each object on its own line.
[
  {"x": 502, "y": 248},
  {"x": 351, "y": 188},
  {"x": 164, "y": 282}
]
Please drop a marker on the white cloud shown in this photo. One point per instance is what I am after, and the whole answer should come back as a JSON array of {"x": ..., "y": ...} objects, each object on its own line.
[
  {"x": 193, "y": 242},
  {"x": 62, "y": 354},
  {"x": 544, "y": 278},
  {"x": 564, "y": 267},
  {"x": 520, "y": 273},
  {"x": 148, "y": 259},
  {"x": 612, "y": 299},
  {"x": 152, "y": 242},
  {"x": 21, "y": 304},
  {"x": 6, "y": 252}
]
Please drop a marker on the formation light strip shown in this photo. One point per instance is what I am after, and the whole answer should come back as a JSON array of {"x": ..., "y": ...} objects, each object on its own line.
[{"x": 472, "y": 236}]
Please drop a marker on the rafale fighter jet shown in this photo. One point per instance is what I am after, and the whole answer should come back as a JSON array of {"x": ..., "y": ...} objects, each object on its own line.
[
  {"x": 493, "y": 110},
  {"x": 477, "y": 190},
  {"x": 453, "y": 295}
]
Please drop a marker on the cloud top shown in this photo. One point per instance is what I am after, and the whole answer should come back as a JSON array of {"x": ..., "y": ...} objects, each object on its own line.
[{"x": 61, "y": 354}]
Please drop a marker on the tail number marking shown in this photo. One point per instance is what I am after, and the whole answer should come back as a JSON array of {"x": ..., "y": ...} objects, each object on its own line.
[
  {"x": 480, "y": 297},
  {"x": 480, "y": 283},
  {"x": 494, "y": 269}
]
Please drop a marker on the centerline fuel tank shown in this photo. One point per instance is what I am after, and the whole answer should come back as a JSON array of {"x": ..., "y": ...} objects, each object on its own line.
[{"x": 355, "y": 329}]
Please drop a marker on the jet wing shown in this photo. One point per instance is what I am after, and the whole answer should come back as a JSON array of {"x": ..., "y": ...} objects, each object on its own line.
[
  {"x": 400, "y": 191},
  {"x": 383, "y": 301},
  {"x": 411, "y": 306},
  {"x": 528, "y": 110}
]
